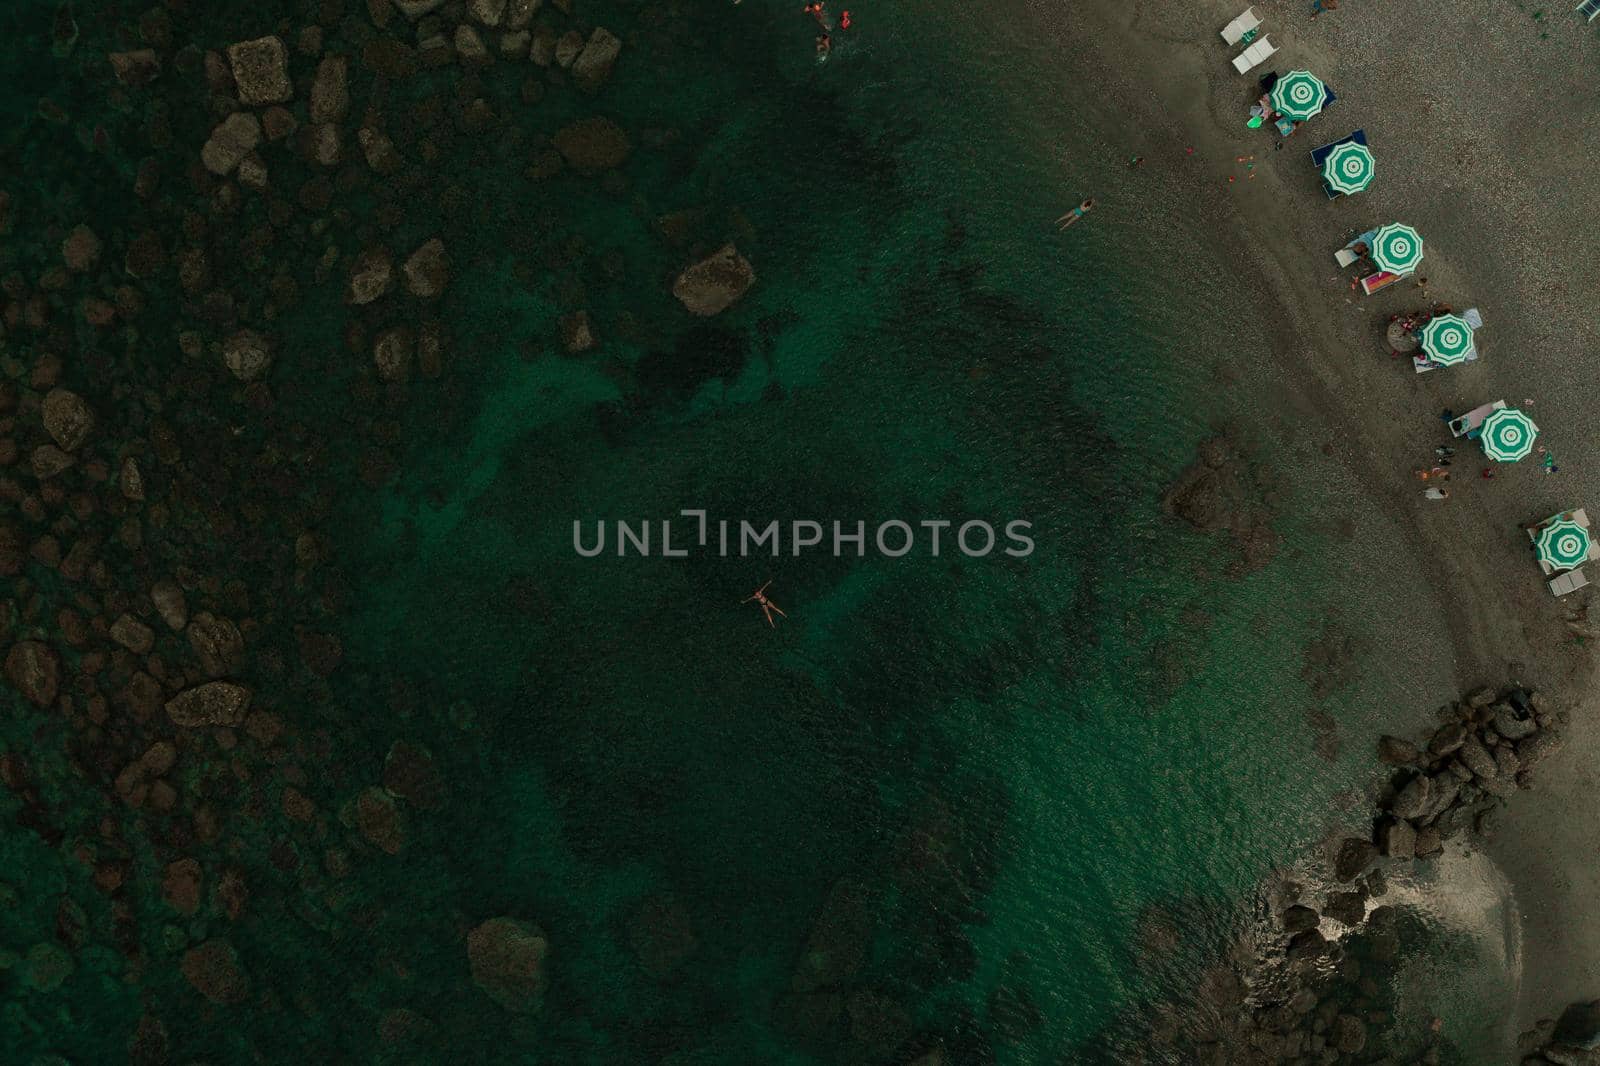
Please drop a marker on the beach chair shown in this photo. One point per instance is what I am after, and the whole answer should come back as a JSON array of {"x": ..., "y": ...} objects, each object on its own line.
[
  {"x": 1234, "y": 31},
  {"x": 1379, "y": 280},
  {"x": 1346, "y": 255},
  {"x": 1590, "y": 9},
  {"x": 1255, "y": 55},
  {"x": 1572, "y": 580},
  {"x": 1469, "y": 424},
  {"x": 1422, "y": 365}
]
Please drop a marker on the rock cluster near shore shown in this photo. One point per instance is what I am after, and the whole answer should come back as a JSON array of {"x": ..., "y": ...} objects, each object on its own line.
[
  {"x": 1483, "y": 751},
  {"x": 1331, "y": 958},
  {"x": 1571, "y": 1040}
]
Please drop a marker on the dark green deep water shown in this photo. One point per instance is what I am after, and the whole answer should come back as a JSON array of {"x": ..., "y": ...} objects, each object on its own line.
[{"x": 989, "y": 805}]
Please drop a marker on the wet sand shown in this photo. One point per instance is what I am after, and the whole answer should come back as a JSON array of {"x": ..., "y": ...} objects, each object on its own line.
[{"x": 1484, "y": 135}]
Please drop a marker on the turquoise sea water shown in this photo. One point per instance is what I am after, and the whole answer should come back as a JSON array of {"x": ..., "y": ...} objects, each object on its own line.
[{"x": 989, "y": 805}]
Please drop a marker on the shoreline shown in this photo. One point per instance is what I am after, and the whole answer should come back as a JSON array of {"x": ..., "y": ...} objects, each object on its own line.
[{"x": 1280, "y": 232}]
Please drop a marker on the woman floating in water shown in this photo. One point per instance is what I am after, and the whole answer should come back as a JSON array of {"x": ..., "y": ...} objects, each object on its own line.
[
  {"x": 767, "y": 606},
  {"x": 1076, "y": 213}
]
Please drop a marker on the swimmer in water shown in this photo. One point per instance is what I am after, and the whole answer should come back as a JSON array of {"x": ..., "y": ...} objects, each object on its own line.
[
  {"x": 767, "y": 606},
  {"x": 1076, "y": 213},
  {"x": 824, "y": 43}
]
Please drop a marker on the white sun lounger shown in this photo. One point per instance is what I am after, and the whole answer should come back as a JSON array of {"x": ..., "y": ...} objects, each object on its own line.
[
  {"x": 1572, "y": 580},
  {"x": 1255, "y": 55},
  {"x": 1234, "y": 31},
  {"x": 1591, "y": 8},
  {"x": 1464, "y": 425},
  {"x": 1474, "y": 319}
]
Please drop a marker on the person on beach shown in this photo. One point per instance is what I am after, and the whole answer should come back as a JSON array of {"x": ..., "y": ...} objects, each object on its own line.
[
  {"x": 1135, "y": 162},
  {"x": 1434, "y": 492},
  {"x": 1076, "y": 213},
  {"x": 1319, "y": 6},
  {"x": 1488, "y": 473},
  {"x": 1443, "y": 451}
]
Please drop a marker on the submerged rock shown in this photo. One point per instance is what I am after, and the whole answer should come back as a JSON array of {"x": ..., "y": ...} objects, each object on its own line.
[
  {"x": 217, "y": 643},
  {"x": 34, "y": 669},
  {"x": 427, "y": 271},
  {"x": 415, "y": 9},
  {"x": 715, "y": 283},
  {"x": 234, "y": 138},
  {"x": 575, "y": 333},
  {"x": 67, "y": 418},
  {"x": 246, "y": 355},
  {"x": 593, "y": 64},
  {"x": 213, "y": 969},
  {"x": 133, "y": 634},
  {"x": 488, "y": 12},
  {"x": 593, "y": 144},
  {"x": 370, "y": 275},
  {"x": 260, "y": 71},
  {"x": 409, "y": 772},
  {"x": 80, "y": 250},
  {"x": 330, "y": 93},
  {"x": 170, "y": 603},
  {"x": 217, "y": 703},
  {"x": 47, "y": 461},
  {"x": 391, "y": 353},
  {"x": 180, "y": 886},
  {"x": 379, "y": 821},
  {"x": 137, "y": 68},
  {"x": 507, "y": 960}
]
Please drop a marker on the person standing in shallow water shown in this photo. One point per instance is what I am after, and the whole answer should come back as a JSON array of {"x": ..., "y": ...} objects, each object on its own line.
[{"x": 1076, "y": 213}]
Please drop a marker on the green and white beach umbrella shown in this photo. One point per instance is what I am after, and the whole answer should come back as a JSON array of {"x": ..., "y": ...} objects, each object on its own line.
[
  {"x": 1397, "y": 248},
  {"x": 1563, "y": 544},
  {"x": 1348, "y": 168},
  {"x": 1298, "y": 95},
  {"x": 1508, "y": 435},
  {"x": 1447, "y": 339}
]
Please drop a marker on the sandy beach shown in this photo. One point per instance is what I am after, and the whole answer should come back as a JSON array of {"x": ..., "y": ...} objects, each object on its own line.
[{"x": 1472, "y": 114}]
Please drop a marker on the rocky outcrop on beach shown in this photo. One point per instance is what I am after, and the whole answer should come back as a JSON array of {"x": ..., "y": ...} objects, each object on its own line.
[
  {"x": 1309, "y": 994},
  {"x": 1573, "y": 1039},
  {"x": 1223, "y": 492}
]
